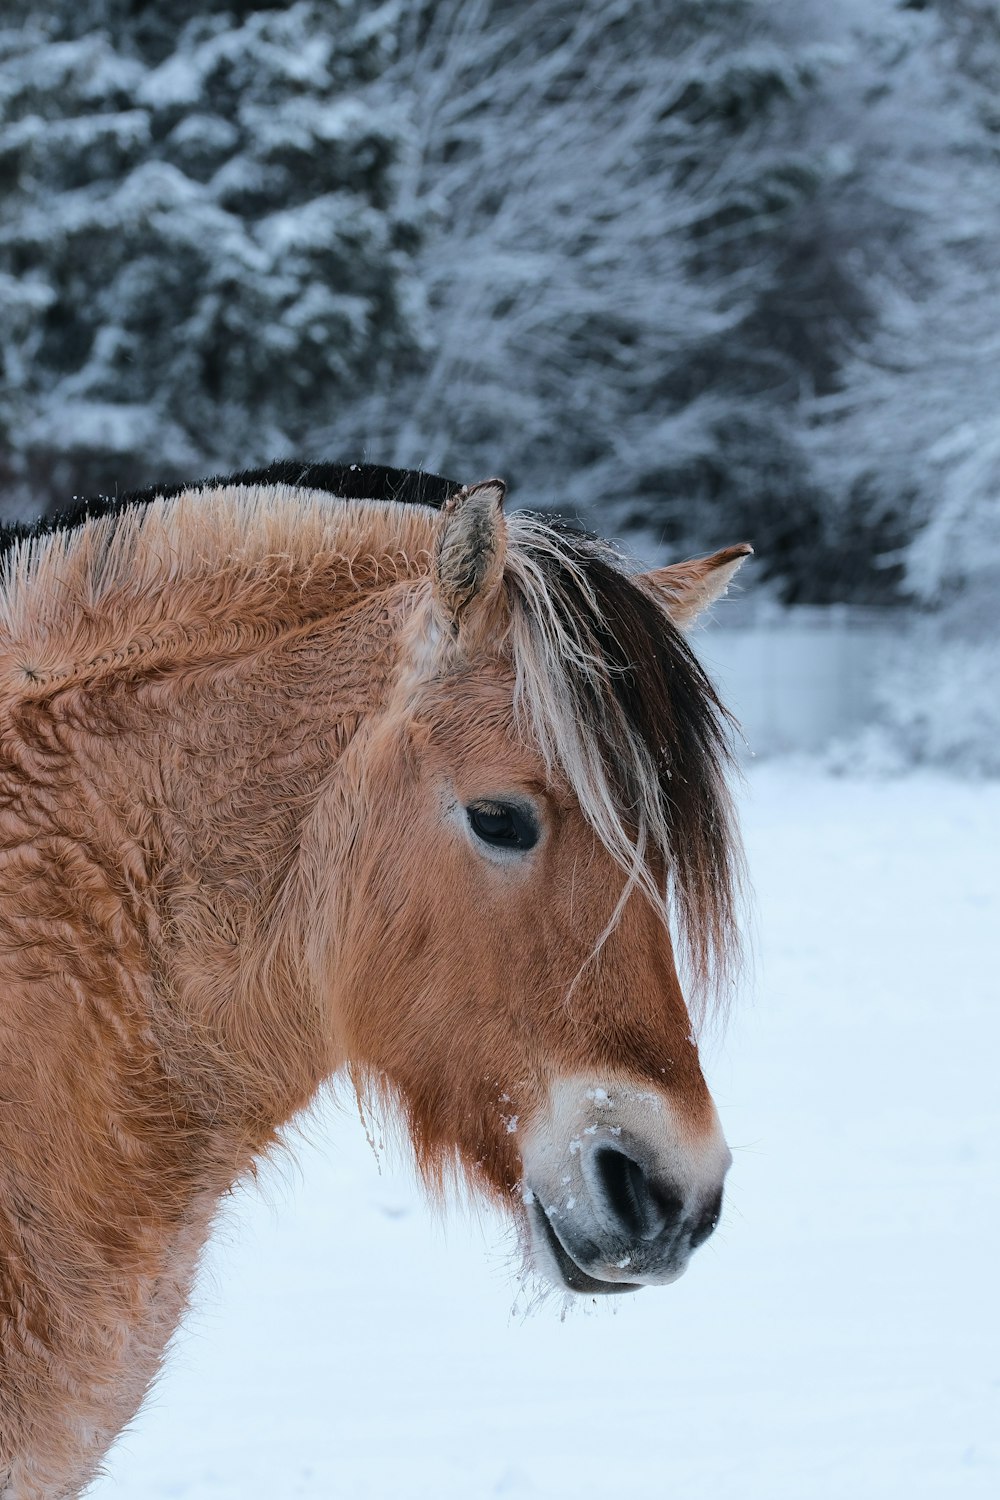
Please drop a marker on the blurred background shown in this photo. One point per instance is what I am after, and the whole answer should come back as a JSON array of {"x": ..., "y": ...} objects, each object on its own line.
[{"x": 694, "y": 271}]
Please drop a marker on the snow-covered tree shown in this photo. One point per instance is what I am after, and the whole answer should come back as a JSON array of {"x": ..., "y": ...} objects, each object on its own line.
[
  {"x": 624, "y": 253},
  {"x": 695, "y": 268},
  {"x": 201, "y": 251},
  {"x": 911, "y": 436}
]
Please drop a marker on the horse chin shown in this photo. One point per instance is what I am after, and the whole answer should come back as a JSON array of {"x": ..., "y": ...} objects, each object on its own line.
[{"x": 552, "y": 1259}]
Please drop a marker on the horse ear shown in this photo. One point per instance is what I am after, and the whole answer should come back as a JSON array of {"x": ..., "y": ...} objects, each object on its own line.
[
  {"x": 469, "y": 562},
  {"x": 687, "y": 588}
]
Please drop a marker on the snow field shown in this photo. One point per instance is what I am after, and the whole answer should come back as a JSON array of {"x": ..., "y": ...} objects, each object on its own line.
[{"x": 836, "y": 1338}]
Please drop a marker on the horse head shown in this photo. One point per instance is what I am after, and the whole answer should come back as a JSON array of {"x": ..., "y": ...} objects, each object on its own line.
[{"x": 541, "y": 790}]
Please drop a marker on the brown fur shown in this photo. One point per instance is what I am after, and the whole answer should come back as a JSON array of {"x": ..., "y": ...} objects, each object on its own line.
[{"x": 233, "y": 758}]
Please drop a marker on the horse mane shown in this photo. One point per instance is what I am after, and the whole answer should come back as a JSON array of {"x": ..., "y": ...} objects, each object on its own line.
[
  {"x": 617, "y": 699},
  {"x": 344, "y": 481},
  {"x": 605, "y": 683}
]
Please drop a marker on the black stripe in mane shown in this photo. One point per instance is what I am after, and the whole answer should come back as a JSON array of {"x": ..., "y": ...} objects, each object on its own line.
[
  {"x": 346, "y": 481},
  {"x": 642, "y": 697}
]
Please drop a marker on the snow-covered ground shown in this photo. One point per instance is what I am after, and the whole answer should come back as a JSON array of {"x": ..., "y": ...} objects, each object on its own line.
[{"x": 836, "y": 1340}]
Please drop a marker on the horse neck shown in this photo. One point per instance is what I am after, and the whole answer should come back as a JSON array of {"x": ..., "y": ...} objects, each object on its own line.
[
  {"x": 162, "y": 814},
  {"x": 241, "y": 1013},
  {"x": 164, "y": 759}
]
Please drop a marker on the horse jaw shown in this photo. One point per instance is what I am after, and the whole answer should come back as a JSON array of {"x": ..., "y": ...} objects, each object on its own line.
[{"x": 619, "y": 1187}]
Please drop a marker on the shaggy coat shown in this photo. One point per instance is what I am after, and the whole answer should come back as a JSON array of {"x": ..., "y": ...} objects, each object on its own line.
[{"x": 239, "y": 730}]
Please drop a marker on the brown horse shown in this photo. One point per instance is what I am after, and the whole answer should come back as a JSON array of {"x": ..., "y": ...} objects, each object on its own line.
[{"x": 325, "y": 769}]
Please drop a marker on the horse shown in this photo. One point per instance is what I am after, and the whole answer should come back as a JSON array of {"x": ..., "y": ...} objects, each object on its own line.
[{"x": 318, "y": 770}]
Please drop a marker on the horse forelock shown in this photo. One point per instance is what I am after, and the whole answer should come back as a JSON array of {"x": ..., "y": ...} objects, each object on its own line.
[{"x": 614, "y": 696}]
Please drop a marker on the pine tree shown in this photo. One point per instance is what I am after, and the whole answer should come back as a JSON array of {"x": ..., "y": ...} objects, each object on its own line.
[
  {"x": 201, "y": 251},
  {"x": 697, "y": 269},
  {"x": 630, "y": 266},
  {"x": 913, "y": 434}
]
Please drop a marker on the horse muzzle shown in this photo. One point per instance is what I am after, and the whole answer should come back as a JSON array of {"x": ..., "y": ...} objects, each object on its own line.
[{"x": 619, "y": 1188}]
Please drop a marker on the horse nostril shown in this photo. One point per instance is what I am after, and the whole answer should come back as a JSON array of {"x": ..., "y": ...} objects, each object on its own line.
[{"x": 640, "y": 1209}]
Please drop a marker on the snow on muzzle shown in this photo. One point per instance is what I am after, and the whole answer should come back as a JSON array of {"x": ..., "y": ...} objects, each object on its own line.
[{"x": 618, "y": 1187}]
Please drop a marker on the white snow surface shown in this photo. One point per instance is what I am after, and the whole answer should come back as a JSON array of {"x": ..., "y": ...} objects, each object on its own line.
[{"x": 837, "y": 1336}]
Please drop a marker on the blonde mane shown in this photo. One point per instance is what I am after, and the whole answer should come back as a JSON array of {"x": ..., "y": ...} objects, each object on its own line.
[
  {"x": 155, "y": 575},
  {"x": 616, "y": 699}
]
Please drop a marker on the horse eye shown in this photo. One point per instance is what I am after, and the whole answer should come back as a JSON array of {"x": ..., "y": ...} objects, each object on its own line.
[{"x": 503, "y": 826}]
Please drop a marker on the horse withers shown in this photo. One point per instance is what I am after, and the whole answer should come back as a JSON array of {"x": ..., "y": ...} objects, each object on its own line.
[{"x": 320, "y": 769}]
